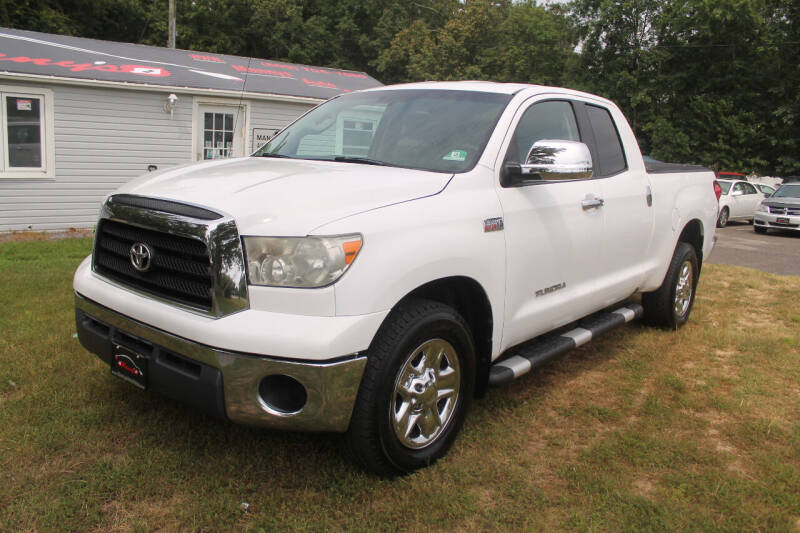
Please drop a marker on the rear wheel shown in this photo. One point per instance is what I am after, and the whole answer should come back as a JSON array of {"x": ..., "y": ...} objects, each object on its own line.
[
  {"x": 722, "y": 220},
  {"x": 671, "y": 304},
  {"x": 416, "y": 389}
]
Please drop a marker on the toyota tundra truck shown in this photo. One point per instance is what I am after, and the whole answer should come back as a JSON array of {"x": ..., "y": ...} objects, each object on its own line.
[{"x": 387, "y": 257}]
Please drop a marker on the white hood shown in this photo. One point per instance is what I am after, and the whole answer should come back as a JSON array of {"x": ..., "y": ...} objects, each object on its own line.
[{"x": 287, "y": 197}]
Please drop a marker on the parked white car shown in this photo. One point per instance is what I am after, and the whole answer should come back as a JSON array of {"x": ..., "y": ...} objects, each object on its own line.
[
  {"x": 780, "y": 211},
  {"x": 739, "y": 201}
]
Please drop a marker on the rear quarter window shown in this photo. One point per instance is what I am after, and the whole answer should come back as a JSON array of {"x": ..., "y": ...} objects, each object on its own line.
[{"x": 611, "y": 158}]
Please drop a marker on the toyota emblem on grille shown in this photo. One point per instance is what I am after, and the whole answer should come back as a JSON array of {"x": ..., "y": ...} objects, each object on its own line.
[{"x": 141, "y": 256}]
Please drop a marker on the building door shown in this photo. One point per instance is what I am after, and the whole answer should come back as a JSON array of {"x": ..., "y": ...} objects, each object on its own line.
[{"x": 220, "y": 131}]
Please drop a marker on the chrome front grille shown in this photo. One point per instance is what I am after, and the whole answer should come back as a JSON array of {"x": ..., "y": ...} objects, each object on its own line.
[
  {"x": 791, "y": 210},
  {"x": 194, "y": 256},
  {"x": 180, "y": 268}
]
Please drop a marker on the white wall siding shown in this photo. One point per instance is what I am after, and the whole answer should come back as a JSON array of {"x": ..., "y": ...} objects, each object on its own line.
[
  {"x": 273, "y": 115},
  {"x": 105, "y": 137}
]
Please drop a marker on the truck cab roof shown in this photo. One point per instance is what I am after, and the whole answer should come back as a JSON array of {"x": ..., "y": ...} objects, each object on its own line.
[{"x": 489, "y": 87}]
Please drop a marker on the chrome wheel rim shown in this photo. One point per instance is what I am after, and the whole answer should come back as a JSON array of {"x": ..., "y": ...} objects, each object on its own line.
[
  {"x": 425, "y": 394},
  {"x": 723, "y": 217},
  {"x": 683, "y": 289}
]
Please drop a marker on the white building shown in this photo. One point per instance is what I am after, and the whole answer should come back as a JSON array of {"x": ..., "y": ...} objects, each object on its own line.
[{"x": 79, "y": 117}]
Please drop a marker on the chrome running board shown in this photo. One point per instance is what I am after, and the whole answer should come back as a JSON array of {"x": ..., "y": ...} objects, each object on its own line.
[{"x": 531, "y": 356}]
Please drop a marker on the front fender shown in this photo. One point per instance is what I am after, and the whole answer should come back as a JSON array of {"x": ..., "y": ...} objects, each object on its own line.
[{"x": 411, "y": 244}]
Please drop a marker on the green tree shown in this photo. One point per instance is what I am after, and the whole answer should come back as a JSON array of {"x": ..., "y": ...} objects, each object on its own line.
[
  {"x": 705, "y": 81},
  {"x": 482, "y": 39},
  {"x": 702, "y": 81}
]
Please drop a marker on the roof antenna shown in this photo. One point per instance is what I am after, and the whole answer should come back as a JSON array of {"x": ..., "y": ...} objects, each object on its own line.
[{"x": 239, "y": 109}]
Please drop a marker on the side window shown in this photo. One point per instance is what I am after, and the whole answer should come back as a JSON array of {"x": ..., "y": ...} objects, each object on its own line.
[
  {"x": 545, "y": 120},
  {"x": 749, "y": 189},
  {"x": 610, "y": 157},
  {"x": 738, "y": 188}
]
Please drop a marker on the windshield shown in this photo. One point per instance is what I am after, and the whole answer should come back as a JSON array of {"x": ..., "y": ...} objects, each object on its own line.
[
  {"x": 442, "y": 131},
  {"x": 726, "y": 186},
  {"x": 787, "y": 191}
]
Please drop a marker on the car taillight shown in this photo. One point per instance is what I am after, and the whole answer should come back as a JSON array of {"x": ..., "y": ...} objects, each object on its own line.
[{"x": 717, "y": 190}]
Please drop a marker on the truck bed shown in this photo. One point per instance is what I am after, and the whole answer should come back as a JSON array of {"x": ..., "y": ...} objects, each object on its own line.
[{"x": 659, "y": 167}]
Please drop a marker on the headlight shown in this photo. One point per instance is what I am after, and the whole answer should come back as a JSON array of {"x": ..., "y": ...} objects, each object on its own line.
[
  {"x": 763, "y": 208},
  {"x": 299, "y": 261}
]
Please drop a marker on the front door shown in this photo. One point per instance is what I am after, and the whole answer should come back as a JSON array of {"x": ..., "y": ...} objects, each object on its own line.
[
  {"x": 554, "y": 244},
  {"x": 220, "y": 132}
]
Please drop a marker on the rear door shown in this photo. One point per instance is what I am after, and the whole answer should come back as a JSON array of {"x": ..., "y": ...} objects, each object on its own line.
[{"x": 627, "y": 205}]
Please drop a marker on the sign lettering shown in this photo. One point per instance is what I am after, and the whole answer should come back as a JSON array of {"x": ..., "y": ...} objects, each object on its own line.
[
  {"x": 261, "y": 136},
  {"x": 261, "y": 71},
  {"x": 319, "y": 83},
  {"x": 211, "y": 59},
  {"x": 141, "y": 70}
]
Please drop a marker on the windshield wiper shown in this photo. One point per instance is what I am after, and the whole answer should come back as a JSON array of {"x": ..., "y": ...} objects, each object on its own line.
[
  {"x": 277, "y": 155},
  {"x": 362, "y": 160}
]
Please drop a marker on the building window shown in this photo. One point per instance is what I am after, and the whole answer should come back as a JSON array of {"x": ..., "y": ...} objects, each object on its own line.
[
  {"x": 219, "y": 127},
  {"x": 26, "y": 132},
  {"x": 217, "y": 135}
]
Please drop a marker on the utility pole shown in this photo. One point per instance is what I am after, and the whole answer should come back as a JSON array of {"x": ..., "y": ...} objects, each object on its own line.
[{"x": 171, "y": 39}]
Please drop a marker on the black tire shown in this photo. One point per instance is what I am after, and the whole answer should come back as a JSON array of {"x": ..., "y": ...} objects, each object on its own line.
[
  {"x": 372, "y": 440},
  {"x": 722, "y": 219},
  {"x": 759, "y": 229},
  {"x": 661, "y": 307}
]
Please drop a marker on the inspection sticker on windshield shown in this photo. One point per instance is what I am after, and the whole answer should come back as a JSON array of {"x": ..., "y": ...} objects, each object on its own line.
[{"x": 456, "y": 155}]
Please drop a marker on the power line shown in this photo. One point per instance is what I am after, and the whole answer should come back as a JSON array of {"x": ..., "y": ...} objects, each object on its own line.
[{"x": 725, "y": 45}]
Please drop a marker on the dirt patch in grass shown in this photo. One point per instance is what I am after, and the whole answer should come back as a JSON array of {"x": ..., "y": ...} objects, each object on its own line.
[
  {"x": 29, "y": 235},
  {"x": 124, "y": 517},
  {"x": 644, "y": 486}
]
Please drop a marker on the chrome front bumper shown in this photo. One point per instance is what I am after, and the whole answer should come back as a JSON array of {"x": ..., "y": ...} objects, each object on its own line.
[
  {"x": 770, "y": 220},
  {"x": 331, "y": 387}
]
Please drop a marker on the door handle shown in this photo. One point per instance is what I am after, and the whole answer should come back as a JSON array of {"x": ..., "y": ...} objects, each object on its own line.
[{"x": 591, "y": 202}]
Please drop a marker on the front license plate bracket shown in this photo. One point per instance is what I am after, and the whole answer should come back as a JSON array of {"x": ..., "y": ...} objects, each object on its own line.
[{"x": 130, "y": 366}]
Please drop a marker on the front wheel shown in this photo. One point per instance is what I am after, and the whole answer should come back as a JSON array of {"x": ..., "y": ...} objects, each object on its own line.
[
  {"x": 670, "y": 305},
  {"x": 416, "y": 389},
  {"x": 759, "y": 229}
]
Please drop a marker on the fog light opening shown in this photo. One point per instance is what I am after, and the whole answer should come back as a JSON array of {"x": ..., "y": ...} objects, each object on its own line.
[{"x": 282, "y": 394}]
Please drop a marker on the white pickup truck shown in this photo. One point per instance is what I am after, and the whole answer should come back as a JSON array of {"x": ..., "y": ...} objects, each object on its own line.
[{"x": 390, "y": 255}]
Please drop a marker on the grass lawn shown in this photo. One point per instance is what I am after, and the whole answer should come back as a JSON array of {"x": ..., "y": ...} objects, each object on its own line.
[{"x": 641, "y": 430}]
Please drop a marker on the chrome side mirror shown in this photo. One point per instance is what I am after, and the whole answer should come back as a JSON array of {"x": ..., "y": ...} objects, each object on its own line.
[{"x": 554, "y": 160}]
